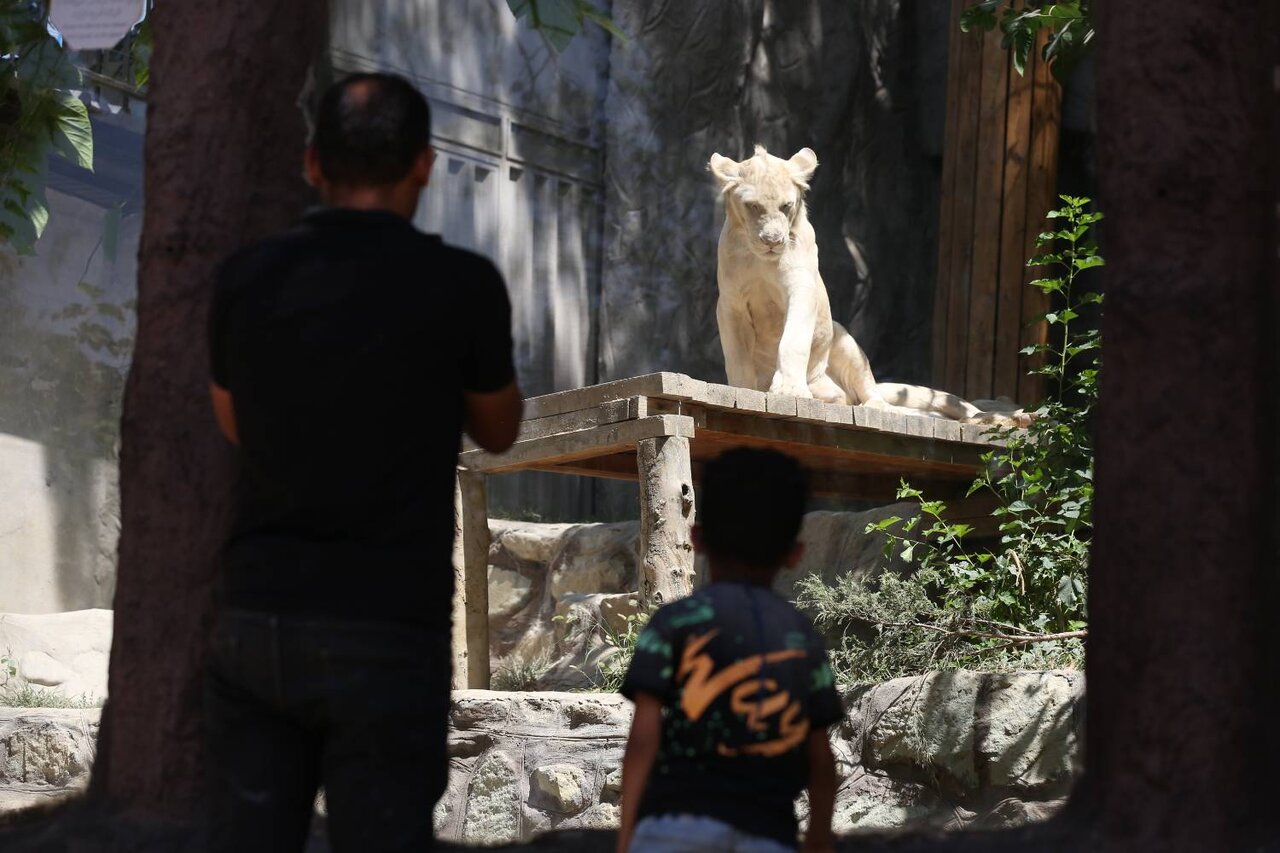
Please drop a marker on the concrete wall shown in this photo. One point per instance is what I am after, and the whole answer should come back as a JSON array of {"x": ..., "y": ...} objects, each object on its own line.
[{"x": 66, "y": 331}]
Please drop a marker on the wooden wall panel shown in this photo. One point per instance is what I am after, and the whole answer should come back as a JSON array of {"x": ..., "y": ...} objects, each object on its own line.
[{"x": 998, "y": 180}]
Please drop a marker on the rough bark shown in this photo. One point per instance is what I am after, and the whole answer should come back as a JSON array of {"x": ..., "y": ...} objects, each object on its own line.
[
  {"x": 666, "y": 519},
  {"x": 1181, "y": 564},
  {"x": 223, "y": 152}
]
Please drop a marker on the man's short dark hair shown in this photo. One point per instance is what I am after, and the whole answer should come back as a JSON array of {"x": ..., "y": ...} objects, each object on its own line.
[
  {"x": 370, "y": 128},
  {"x": 752, "y": 506}
]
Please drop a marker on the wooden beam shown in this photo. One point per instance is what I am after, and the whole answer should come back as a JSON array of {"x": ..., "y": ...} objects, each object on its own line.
[{"x": 582, "y": 444}]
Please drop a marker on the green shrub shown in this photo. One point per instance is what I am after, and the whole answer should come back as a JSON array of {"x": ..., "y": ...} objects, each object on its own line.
[{"x": 1021, "y": 604}]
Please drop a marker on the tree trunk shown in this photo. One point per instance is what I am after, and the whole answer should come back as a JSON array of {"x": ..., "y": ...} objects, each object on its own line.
[
  {"x": 1183, "y": 570},
  {"x": 223, "y": 165}
]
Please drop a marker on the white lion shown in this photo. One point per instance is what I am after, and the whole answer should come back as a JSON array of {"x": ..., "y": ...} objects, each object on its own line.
[{"x": 773, "y": 311}]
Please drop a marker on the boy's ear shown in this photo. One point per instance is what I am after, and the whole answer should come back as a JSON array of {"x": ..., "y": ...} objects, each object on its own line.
[
  {"x": 793, "y": 556},
  {"x": 695, "y": 534}
]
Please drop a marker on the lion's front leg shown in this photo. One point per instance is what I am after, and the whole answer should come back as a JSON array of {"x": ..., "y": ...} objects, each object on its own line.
[
  {"x": 792, "y": 374},
  {"x": 736, "y": 339}
]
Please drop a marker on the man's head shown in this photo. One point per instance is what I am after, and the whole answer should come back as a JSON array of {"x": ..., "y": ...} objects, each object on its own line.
[
  {"x": 371, "y": 143},
  {"x": 752, "y": 505}
]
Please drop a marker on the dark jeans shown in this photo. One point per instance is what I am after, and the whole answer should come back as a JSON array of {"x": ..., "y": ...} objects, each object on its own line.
[{"x": 293, "y": 703}]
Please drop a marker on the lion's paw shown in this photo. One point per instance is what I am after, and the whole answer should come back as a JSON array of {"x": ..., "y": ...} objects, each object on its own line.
[{"x": 790, "y": 388}]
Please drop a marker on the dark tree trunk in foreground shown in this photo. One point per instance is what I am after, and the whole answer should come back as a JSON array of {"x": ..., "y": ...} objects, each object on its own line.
[
  {"x": 223, "y": 164},
  {"x": 1183, "y": 629}
]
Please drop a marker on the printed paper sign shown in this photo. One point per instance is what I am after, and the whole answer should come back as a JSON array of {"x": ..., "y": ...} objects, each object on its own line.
[{"x": 95, "y": 24}]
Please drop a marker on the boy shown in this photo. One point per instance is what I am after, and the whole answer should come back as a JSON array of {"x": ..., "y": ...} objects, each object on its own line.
[{"x": 732, "y": 688}]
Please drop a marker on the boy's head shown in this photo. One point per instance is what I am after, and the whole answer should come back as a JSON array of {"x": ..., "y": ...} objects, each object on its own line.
[
  {"x": 752, "y": 505},
  {"x": 371, "y": 131}
]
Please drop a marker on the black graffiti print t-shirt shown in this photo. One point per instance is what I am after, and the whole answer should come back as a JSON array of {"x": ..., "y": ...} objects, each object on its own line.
[{"x": 743, "y": 679}]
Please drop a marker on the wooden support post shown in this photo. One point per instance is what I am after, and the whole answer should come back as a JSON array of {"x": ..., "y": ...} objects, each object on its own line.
[
  {"x": 458, "y": 628},
  {"x": 666, "y": 519},
  {"x": 471, "y": 580}
]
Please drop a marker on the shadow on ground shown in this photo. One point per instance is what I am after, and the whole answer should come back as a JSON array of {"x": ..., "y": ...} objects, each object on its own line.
[{"x": 76, "y": 827}]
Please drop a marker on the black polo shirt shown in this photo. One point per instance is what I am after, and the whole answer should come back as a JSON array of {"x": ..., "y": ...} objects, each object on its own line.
[{"x": 347, "y": 344}]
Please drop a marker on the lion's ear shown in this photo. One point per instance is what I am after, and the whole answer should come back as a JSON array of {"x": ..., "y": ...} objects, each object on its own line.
[
  {"x": 802, "y": 165},
  {"x": 725, "y": 170}
]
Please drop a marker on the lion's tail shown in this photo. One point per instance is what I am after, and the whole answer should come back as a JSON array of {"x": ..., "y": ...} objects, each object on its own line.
[{"x": 929, "y": 400}]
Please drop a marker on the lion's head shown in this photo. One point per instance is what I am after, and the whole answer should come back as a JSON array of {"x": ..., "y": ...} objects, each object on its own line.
[{"x": 764, "y": 196}]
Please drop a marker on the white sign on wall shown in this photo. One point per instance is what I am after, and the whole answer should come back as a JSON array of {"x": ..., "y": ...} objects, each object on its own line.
[{"x": 95, "y": 24}]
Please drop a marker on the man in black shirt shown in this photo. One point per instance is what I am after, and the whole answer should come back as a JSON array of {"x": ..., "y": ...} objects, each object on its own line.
[
  {"x": 732, "y": 687},
  {"x": 348, "y": 354}
]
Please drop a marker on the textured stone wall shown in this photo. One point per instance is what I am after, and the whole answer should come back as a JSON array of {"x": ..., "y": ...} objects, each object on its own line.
[
  {"x": 949, "y": 750},
  {"x": 860, "y": 83}
]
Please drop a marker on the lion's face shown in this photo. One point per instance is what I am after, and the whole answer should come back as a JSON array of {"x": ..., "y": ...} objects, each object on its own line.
[{"x": 764, "y": 196}]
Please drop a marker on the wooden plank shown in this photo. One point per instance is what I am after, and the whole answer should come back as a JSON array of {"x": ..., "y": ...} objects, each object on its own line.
[
  {"x": 614, "y": 411},
  {"x": 816, "y": 410},
  {"x": 583, "y": 444},
  {"x": 946, "y": 430},
  {"x": 780, "y": 405},
  {"x": 946, "y": 274},
  {"x": 988, "y": 196},
  {"x": 968, "y": 65},
  {"x": 921, "y": 426},
  {"x": 1013, "y": 225},
  {"x": 719, "y": 396},
  {"x": 671, "y": 386},
  {"x": 749, "y": 400},
  {"x": 1046, "y": 111},
  {"x": 887, "y": 447}
]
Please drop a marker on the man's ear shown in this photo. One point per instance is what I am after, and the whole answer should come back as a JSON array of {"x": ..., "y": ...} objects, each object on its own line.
[
  {"x": 802, "y": 165},
  {"x": 422, "y": 166},
  {"x": 727, "y": 172},
  {"x": 796, "y": 554},
  {"x": 311, "y": 167}
]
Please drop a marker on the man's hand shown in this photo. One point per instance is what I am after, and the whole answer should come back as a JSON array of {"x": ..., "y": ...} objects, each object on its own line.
[
  {"x": 224, "y": 409},
  {"x": 493, "y": 419}
]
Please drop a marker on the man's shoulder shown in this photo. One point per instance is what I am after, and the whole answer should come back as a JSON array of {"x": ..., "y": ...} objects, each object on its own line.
[{"x": 254, "y": 258}]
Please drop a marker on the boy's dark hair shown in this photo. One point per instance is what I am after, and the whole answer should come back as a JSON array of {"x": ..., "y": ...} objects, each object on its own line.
[
  {"x": 753, "y": 503},
  {"x": 369, "y": 129}
]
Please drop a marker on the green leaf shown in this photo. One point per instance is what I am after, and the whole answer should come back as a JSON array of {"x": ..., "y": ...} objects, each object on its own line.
[
  {"x": 603, "y": 21},
  {"x": 1089, "y": 262},
  {"x": 73, "y": 136}
]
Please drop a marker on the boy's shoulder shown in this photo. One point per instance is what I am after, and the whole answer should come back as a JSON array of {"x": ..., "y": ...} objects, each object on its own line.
[{"x": 718, "y": 603}]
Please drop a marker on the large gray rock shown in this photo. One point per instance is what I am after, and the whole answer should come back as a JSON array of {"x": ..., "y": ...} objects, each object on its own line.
[
  {"x": 1031, "y": 729},
  {"x": 45, "y": 754},
  {"x": 549, "y": 582},
  {"x": 920, "y": 726},
  {"x": 65, "y": 653}
]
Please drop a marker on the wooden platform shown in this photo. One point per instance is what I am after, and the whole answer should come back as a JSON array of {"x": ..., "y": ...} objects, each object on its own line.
[
  {"x": 850, "y": 451},
  {"x": 659, "y": 430}
]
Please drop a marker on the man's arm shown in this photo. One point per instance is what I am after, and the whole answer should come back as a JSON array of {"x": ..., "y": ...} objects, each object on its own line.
[
  {"x": 493, "y": 418},
  {"x": 224, "y": 409},
  {"x": 642, "y": 748},
  {"x": 822, "y": 793}
]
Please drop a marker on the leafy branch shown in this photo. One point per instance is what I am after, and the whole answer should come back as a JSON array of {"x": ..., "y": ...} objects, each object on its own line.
[
  {"x": 560, "y": 20},
  {"x": 1070, "y": 27},
  {"x": 43, "y": 116}
]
